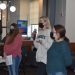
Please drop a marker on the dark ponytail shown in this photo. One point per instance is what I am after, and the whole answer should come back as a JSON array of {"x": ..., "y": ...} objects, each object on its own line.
[{"x": 66, "y": 39}]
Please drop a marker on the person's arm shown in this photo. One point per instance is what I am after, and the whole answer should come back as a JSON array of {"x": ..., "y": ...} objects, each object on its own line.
[
  {"x": 67, "y": 55},
  {"x": 37, "y": 43},
  {"x": 4, "y": 55},
  {"x": 47, "y": 42}
]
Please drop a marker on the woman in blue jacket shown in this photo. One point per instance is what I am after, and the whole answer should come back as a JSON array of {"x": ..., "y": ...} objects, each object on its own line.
[{"x": 58, "y": 55}]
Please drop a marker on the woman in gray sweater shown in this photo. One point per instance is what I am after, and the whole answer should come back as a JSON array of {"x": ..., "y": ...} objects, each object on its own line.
[{"x": 42, "y": 43}]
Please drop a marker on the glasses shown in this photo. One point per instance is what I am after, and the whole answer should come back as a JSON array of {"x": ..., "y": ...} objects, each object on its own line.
[{"x": 55, "y": 32}]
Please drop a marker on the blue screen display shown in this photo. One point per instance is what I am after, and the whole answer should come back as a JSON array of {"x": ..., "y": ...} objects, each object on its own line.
[{"x": 22, "y": 25}]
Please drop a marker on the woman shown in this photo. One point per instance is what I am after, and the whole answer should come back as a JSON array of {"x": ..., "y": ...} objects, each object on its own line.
[
  {"x": 12, "y": 47},
  {"x": 58, "y": 55},
  {"x": 42, "y": 43}
]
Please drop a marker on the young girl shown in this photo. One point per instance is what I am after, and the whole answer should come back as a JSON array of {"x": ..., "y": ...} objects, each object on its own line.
[{"x": 58, "y": 55}]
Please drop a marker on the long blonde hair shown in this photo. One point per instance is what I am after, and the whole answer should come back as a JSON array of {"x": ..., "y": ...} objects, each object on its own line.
[{"x": 45, "y": 18}]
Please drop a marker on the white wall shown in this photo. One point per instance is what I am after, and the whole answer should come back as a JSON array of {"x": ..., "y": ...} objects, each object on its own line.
[{"x": 70, "y": 19}]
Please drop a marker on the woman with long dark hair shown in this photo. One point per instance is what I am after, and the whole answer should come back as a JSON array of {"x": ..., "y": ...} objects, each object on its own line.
[{"x": 12, "y": 47}]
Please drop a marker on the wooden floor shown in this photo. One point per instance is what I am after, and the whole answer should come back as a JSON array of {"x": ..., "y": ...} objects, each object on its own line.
[
  {"x": 32, "y": 71},
  {"x": 29, "y": 71}
]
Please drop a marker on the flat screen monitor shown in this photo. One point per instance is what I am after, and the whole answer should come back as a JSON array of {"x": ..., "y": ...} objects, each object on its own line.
[{"x": 22, "y": 25}]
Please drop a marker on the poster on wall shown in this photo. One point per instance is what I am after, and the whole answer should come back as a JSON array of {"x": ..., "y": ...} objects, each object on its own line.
[{"x": 22, "y": 25}]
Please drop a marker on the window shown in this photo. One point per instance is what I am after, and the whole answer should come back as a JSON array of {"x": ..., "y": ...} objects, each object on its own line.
[{"x": 31, "y": 29}]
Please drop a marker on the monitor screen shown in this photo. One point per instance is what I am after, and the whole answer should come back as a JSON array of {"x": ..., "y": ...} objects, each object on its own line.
[{"x": 22, "y": 25}]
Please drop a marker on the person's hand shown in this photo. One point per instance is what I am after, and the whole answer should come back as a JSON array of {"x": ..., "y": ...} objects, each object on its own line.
[
  {"x": 3, "y": 58},
  {"x": 40, "y": 41},
  {"x": 4, "y": 55}
]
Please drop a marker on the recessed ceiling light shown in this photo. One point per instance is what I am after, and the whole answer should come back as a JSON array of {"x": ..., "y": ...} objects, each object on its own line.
[
  {"x": 12, "y": 8},
  {"x": 3, "y": 6}
]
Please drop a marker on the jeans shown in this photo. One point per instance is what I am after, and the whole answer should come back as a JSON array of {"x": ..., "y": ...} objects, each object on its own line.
[
  {"x": 14, "y": 68},
  {"x": 57, "y": 73}
]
